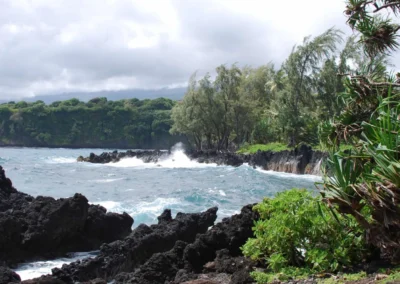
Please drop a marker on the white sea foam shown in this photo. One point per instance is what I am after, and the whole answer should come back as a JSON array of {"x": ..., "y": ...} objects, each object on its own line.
[
  {"x": 61, "y": 160},
  {"x": 177, "y": 159},
  {"x": 130, "y": 163},
  {"x": 221, "y": 192},
  {"x": 36, "y": 269},
  {"x": 156, "y": 207},
  {"x": 109, "y": 205},
  {"x": 289, "y": 175},
  {"x": 107, "y": 180},
  {"x": 152, "y": 208}
]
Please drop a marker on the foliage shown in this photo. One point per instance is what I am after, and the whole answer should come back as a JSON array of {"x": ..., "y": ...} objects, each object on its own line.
[
  {"x": 273, "y": 147},
  {"x": 285, "y": 274},
  {"x": 97, "y": 123},
  {"x": 345, "y": 278},
  {"x": 221, "y": 112},
  {"x": 265, "y": 105},
  {"x": 300, "y": 69},
  {"x": 368, "y": 176},
  {"x": 296, "y": 230}
]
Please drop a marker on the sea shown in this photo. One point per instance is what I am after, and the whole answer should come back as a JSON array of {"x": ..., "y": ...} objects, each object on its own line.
[{"x": 143, "y": 190}]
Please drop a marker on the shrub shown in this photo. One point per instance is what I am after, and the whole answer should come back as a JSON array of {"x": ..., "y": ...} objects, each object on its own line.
[{"x": 297, "y": 232}]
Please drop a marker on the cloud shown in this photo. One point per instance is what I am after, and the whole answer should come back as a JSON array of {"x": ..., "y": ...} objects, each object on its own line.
[{"x": 54, "y": 46}]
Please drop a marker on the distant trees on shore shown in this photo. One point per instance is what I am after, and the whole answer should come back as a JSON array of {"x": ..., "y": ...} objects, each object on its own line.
[{"x": 98, "y": 123}]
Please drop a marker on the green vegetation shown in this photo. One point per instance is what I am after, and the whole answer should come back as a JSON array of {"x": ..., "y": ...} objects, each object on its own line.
[
  {"x": 368, "y": 176},
  {"x": 265, "y": 104},
  {"x": 273, "y": 147},
  {"x": 298, "y": 236},
  {"x": 357, "y": 215},
  {"x": 97, "y": 123},
  {"x": 345, "y": 278}
]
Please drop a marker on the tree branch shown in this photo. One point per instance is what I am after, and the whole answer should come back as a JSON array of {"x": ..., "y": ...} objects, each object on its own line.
[{"x": 389, "y": 5}]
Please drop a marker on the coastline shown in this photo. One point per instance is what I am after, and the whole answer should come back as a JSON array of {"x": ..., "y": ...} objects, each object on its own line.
[
  {"x": 301, "y": 160},
  {"x": 148, "y": 254}
]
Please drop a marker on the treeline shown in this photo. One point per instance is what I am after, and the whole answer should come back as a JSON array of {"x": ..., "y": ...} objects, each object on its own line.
[
  {"x": 269, "y": 104},
  {"x": 130, "y": 123}
]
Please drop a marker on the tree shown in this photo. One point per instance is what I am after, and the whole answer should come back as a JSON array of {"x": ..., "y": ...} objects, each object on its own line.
[{"x": 300, "y": 68}]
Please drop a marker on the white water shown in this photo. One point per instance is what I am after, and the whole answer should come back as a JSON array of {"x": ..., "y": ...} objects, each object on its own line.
[
  {"x": 36, "y": 269},
  {"x": 177, "y": 159}
]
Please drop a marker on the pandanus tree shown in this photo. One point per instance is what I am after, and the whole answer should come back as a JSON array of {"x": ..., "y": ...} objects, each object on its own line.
[{"x": 365, "y": 181}]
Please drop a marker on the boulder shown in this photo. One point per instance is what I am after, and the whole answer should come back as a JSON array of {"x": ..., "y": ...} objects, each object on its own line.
[{"x": 8, "y": 276}]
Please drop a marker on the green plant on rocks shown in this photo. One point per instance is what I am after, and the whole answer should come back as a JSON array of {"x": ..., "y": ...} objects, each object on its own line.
[{"x": 297, "y": 235}]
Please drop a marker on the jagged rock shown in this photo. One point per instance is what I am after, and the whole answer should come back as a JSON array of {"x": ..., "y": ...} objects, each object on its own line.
[
  {"x": 44, "y": 228},
  {"x": 301, "y": 160},
  {"x": 229, "y": 234},
  {"x": 185, "y": 261},
  {"x": 148, "y": 156},
  {"x": 8, "y": 276},
  {"x": 142, "y": 244},
  {"x": 43, "y": 280},
  {"x": 158, "y": 269}
]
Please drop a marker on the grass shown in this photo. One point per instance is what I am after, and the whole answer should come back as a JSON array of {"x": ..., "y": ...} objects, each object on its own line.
[
  {"x": 273, "y": 147},
  {"x": 342, "y": 147},
  {"x": 279, "y": 147}
]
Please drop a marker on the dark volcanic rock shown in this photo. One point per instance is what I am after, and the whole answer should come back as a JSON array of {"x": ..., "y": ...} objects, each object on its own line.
[
  {"x": 217, "y": 157},
  {"x": 301, "y": 160},
  {"x": 148, "y": 156},
  {"x": 8, "y": 276},
  {"x": 44, "y": 228},
  {"x": 184, "y": 261},
  {"x": 138, "y": 247},
  {"x": 229, "y": 234}
]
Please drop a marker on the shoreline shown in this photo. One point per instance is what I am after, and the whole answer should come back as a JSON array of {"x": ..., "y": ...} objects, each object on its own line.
[
  {"x": 144, "y": 248},
  {"x": 302, "y": 160}
]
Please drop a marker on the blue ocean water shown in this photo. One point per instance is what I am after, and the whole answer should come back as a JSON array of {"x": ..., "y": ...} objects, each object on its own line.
[{"x": 142, "y": 190}]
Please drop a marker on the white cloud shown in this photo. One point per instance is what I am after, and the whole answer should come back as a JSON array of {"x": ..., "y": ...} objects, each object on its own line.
[{"x": 53, "y": 46}]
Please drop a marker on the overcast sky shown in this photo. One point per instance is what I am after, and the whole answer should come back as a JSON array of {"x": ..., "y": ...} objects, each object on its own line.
[{"x": 55, "y": 46}]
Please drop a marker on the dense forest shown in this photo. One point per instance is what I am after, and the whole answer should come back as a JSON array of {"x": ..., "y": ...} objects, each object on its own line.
[{"x": 128, "y": 123}]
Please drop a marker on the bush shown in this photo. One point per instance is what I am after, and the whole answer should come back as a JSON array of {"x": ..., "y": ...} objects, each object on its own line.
[{"x": 297, "y": 232}]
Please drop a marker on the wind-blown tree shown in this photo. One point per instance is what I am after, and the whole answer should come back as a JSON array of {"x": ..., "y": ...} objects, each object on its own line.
[
  {"x": 300, "y": 69},
  {"x": 367, "y": 178}
]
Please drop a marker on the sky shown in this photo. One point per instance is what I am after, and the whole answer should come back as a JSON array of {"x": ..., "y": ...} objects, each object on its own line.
[{"x": 58, "y": 46}]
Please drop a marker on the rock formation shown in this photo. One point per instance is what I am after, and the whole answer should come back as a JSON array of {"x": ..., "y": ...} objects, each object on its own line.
[
  {"x": 44, "y": 227},
  {"x": 301, "y": 160}
]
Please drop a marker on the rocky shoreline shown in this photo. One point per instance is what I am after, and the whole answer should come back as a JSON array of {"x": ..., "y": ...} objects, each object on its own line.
[
  {"x": 186, "y": 249},
  {"x": 301, "y": 160}
]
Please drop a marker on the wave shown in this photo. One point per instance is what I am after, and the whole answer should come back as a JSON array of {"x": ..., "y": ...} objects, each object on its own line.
[
  {"x": 36, "y": 269},
  {"x": 177, "y": 159},
  {"x": 289, "y": 175},
  {"x": 108, "y": 180},
  {"x": 61, "y": 160},
  {"x": 109, "y": 205},
  {"x": 145, "y": 211},
  {"x": 222, "y": 193}
]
